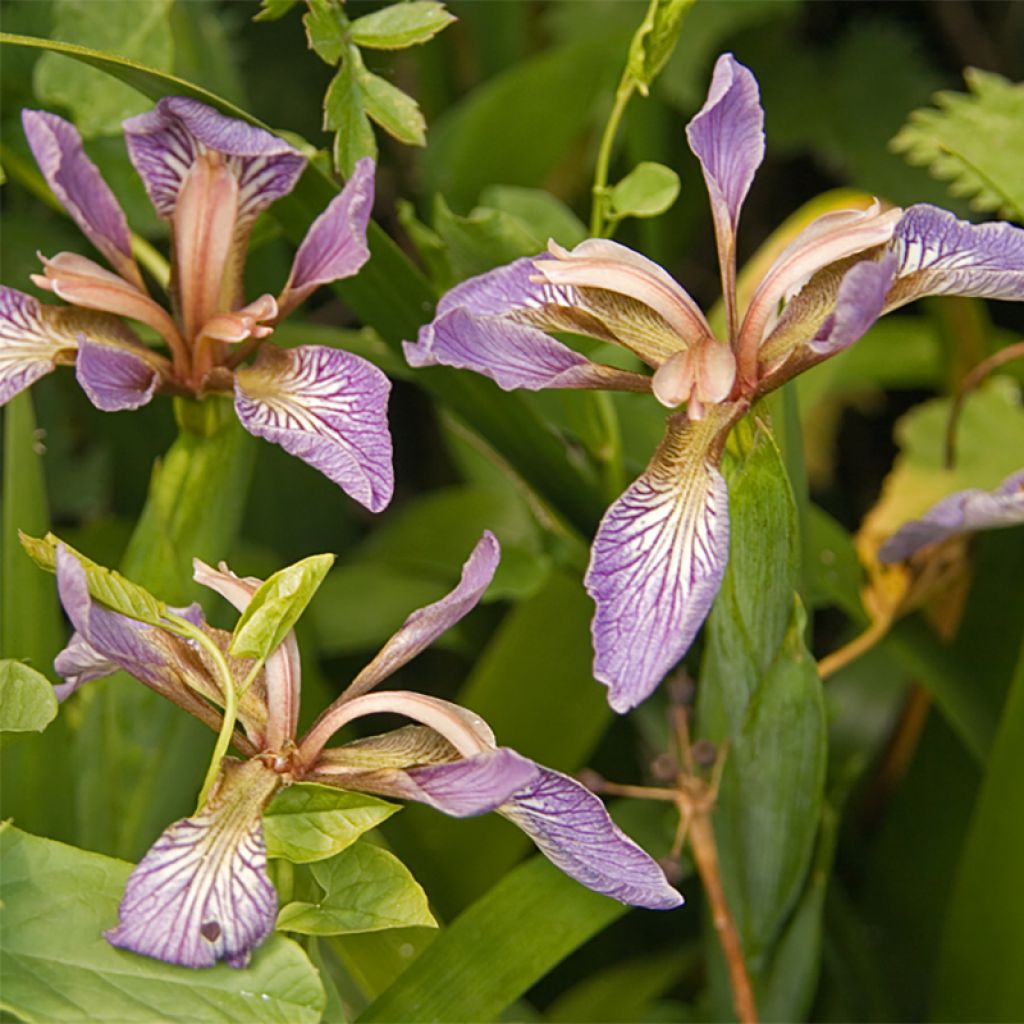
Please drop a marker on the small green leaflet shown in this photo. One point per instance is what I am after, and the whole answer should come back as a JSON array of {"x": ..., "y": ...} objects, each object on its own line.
[
  {"x": 366, "y": 889},
  {"x": 309, "y": 822},
  {"x": 400, "y": 25},
  {"x": 276, "y": 607},
  {"x": 325, "y": 30},
  {"x": 647, "y": 191},
  {"x": 105, "y": 585},
  {"x": 27, "y": 702}
]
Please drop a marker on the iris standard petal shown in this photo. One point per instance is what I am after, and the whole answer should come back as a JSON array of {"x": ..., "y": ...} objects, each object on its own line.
[
  {"x": 658, "y": 559},
  {"x": 326, "y": 407},
  {"x": 34, "y": 339},
  {"x": 937, "y": 254},
  {"x": 116, "y": 377},
  {"x": 164, "y": 143},
  {"x": 963, "y": 512},
  {"x": 573, "y": 830},
  {"x": 335, "y": 246},
  {"x": 425, "y": 625},
  {"x": 202, "y": 894},
  {"x": 75, "y": 181}
]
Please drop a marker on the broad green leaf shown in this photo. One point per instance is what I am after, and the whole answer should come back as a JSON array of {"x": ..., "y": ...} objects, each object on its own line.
[
  {"x": 345, "y": 114},
  {"x": 325, "y": 30},
  {"x": 58, "y": 900},
  {"x": 271, "y": 10},
  {"x": 105, "y": 585},
  {"x": 395, "y": 111},
  {"x": 27, "y": 703},
  {"x": 760, "y": 692},
  {"x": 400, "y": 25},
  {"x": 546, "y": 215},
  {"x": 655, "y": 40},
  {"x": 977, "y": 975},
  {"x": 973, "y": 141},
  {"x": 307, "y": 822},
  {"x": 498, "y": 948},
  {"x": 139, "y": 32},
  {"x": 647, "y": 191},
  {"x": 366, "y": 889},
  {"x": 276, "y": 606}
]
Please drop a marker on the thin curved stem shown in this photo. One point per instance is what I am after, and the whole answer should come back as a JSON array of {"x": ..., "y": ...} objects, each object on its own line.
[
  {"x": 860, "y": 644},
  {"x": 598, "y": 215}
]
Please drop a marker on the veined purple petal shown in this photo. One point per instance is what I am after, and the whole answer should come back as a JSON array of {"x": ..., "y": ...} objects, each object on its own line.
[
  {"x": 201, "y": 894},
  {"x": 470, "y": 786},
  {"x": 164, "y": 142},
  {"x": 115, "y": 377},
  {"x": 939, "y": 255},
  {"x": 727, "y": 137},
  {"x": 513, "y": 355},
  {"x": 963, "y": 512},
  {"x": 425, "y": 625},
  {"x": 326, "y": 407},
  {"x": 335, "y": 245},
  {"x": 859, "y": 304},
  {"x": 573, "y": 830},
  {"x": 658, "y": 559},
  {"x": 33, "y": 339},
  {"x": 75, "y": 181}
]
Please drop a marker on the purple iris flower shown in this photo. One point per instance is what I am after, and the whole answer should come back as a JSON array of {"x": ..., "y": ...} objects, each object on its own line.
[
  {"x": 209, "y": 176},
  {"x": 962, "y": 512},
  {"x": 201, "y": 893},
  {"x": 660, "y": 552}
]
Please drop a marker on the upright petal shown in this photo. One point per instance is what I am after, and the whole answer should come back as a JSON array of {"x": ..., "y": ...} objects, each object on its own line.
[
  {"x": 937, "y": 254},
  {"x": 425, "y": 625},
  {"x": 117, "y": 376},
  {"x": 335, "y": 245},
  {"x": 326, "y": 407},
  {"x": 963, "y": 512},
  {"x": 201, "y": 894},
  {"x": 658, "y": 559},
  {"x": 573, "y": 830},
  {"x": 34, "y": 339},
  {"x": 164, "y": 143},
  {"x": 75, "y": 181}
]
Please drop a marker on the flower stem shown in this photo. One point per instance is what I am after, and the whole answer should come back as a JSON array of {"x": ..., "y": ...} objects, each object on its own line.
[
  {"x": 860, "y": 644},
  {"x": 599, "y": 223}
]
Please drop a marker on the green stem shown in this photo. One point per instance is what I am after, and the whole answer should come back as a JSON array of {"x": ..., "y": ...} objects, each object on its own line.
[{"x": 599, "y": 223}]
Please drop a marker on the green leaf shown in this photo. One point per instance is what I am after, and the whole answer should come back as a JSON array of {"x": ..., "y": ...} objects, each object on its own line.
[
  {"x": 105, "y": 585},
  {"x": 655, "y": 39},
  {"x": 308, "y": 822},
  {"x": 546, "y": 215},
  {"x": 400, "y": 25},
  {"x": 498, "y": 948},
  {"x": 366, "y": 889},
  {"x": 760, "y": 692},
  {"x": 27, "y": 701},
  {"x": 56, "y": 966},
  {"x": 137, "y": 32},
  {"x": 325, "y": 30},
  {"x": 395, "y": 111},
  {"x": 647, "y": 191},
  {"x": 973, "y": 141},
  {"x": 344, "y": 114},
  {"x": 276, "y": 606},
  {"x": 977, "y": 975},
  {"x": 271, "y": 10}
]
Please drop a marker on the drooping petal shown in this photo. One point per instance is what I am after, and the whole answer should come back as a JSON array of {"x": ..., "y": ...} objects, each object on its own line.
[
  {"x": 326, "y": 407},
  {"x": 75, "y": 181},
  {"x": 963, "y": 512},
  {"x": 201, "y": 894},
  {"x": 937, "y": 254},
  {"x": 425, "y": 625},
  {"x": 462, "y": 789},
  {"x": 658, "y": 559},
  {"x": 573, "y": 830},
  {"x": 283, "y": 672},
  {"x": 727, "y": 137},
  {"x": 335, "y": 246},
  {"x": 858, "y": 305},
  {"x": 116, "y": 377},
  {"x": 164, "y": 143},
  {"x": 165, "y": 663},
  {"x": 33, "y": 340}
]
